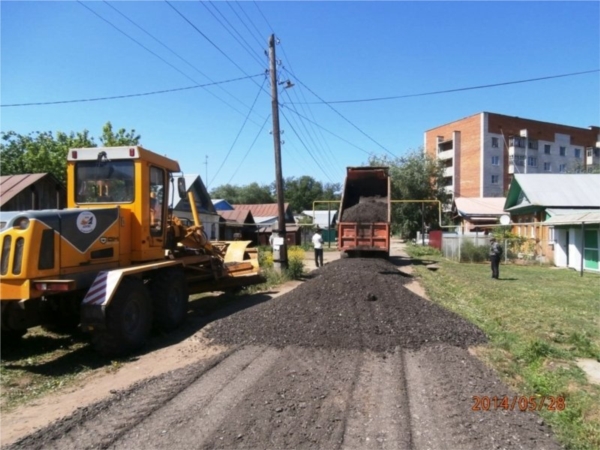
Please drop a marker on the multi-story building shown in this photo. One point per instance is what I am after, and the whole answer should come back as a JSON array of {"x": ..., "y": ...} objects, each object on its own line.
[{"x": 482, "y": 152}]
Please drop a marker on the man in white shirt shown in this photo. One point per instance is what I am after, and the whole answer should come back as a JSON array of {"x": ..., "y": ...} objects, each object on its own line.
[{"x": 317, "y": 241}]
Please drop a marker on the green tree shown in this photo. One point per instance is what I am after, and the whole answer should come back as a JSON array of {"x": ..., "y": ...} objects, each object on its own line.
[
  {"x": 303, "y": 191},
  {"x": 40, "y": 152},
  {"x": 250, "y": 194},
  {"x": 122, "y": 137},
  {"x": 415, "y": 176}
]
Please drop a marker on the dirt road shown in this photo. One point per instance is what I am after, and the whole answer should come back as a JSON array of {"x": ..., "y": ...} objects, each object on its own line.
[{"x": 349, "y": 359}]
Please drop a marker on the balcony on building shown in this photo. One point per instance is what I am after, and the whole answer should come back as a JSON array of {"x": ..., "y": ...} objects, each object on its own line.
[
  {"x": 445, "y": 149},
  {"x": 592, "y": 155}
]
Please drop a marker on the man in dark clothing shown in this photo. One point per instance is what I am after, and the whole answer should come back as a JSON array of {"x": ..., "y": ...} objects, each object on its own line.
[{"x": 495, "y": 253}]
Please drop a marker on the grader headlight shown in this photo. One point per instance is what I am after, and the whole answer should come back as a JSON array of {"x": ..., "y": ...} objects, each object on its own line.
[{"x": 21, "y": 223}]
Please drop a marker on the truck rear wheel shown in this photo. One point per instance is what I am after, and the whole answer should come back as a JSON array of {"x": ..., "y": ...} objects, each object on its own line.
[
  {"x": 128, "y": 320},
  {"x": 170, "y": 299}
]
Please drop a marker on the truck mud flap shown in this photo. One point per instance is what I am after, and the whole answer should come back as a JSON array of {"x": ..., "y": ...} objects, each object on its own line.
[{"x": 93, "y": 317}]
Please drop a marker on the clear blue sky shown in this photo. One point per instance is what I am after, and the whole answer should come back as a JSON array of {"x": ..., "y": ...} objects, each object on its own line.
[{"x": 53, "y": 51}]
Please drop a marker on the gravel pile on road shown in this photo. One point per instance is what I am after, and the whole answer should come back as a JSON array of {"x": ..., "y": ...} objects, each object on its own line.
[
  {"x": 368, "y": 210},
  {"x": 350, "y": 304}
]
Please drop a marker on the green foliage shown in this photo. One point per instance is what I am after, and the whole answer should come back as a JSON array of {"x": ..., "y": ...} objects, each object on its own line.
[
  {"x": 415, "y": 176},
  {"x": 422, "y": 250},
  {"x": 250, "y": 194},
  {"x": 40, "y": 152},
  {"x": 469, "y": 252},
  {"x": 301, "y": 192}
]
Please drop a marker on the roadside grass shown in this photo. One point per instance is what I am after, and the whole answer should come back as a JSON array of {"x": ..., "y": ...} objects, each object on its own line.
[{"x": 538, "y": 320}]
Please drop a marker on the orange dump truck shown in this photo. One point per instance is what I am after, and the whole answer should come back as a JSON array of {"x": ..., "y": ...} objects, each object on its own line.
[{"x": 365, "y": 212}]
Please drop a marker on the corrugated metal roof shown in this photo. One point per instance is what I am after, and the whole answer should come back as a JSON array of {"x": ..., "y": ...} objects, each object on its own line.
[
  {"x": 11, "y": 185},
  {"x": 239, "y": 216},
  {"x": 480, "y": 206},
  {"x": 569, "y": 190},
  {"x": 583, "y": 216},
  {"x": 261, "y": 210}
]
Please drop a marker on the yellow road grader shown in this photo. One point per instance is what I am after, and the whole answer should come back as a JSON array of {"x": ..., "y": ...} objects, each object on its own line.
[{"x": 116, "y": 261}]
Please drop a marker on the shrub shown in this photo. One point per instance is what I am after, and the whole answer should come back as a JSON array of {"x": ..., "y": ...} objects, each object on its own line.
[
  {"x": 295, "y": 262},
  {"x": 469, "y": 252}
]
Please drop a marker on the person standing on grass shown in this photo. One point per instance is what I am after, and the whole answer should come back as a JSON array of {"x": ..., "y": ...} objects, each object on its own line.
[
  {"x": 317, "y": 241},
  {"x": 495, "y": 254}
]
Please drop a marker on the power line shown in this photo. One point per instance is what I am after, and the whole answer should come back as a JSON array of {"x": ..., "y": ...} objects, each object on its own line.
[
  {"x": 258, "y": 33},
  {"x": 283, "y": 105},
  {"x": 484, "y": 86},
  {"x": 340, "y": 114},
  {"x": 185, "y": 61},
  {"x": 114, "y": 97},
  {"x": 245, "y": 26},
  {"x": 239, "y": 132},
  {"x": 249, "y": 148},
  {"x": 263, "y": 16},
  {"x": 244, "y": 45}
]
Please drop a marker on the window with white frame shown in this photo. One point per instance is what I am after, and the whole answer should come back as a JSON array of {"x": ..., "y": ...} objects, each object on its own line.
[
  {"x": 532, "y": 161},
  {"x": 562, "y": 168},
  {"x": 577, "y": 153},
  {"x": 495, "y": 179},
  {"x": 495, "y": 142},
  {"x": 547, "y": 149},
  {"x": 551, "y": 234},
  {"x": 563, "y": 151},
  {"x": 495, "y": 160},
  {"x": 547, "y": 167}
]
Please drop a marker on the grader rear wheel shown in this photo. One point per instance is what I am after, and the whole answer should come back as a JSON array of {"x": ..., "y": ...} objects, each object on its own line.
[
  {"x": 170, "y": 299},
  {"x": 128, "y": 320}
]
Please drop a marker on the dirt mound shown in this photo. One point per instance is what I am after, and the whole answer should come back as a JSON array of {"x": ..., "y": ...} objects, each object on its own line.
[
  {"x": 368, "y": 210},
  {"x": 351, "y": 304}
]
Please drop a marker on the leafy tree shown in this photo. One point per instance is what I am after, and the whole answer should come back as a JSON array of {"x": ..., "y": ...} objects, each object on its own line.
[
  {"x": 250, "y": 194},
  {"x": 303, "y": 191},
  {"x": 415, "y": 176},
  {"x": 122, "y": 137},
  {"x": 40, "y": 152}
]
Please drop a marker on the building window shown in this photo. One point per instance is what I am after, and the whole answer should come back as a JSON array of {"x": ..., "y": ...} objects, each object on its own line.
[
  {"x": 518, "y": 160},
  {"x": 563, "y": 151},
  {"x": 532, "y": 144},
  {"x": 562, "y": 168},
  {"x": 547, "y": 149},
  {"x": 589, "y": 152},
  {"x": 551, "y": 234},
  {"x": 532, "y": 161},
  {"x": 495, "y": 142},
  {"x": 495, "y": 179},
  {"x": 577, "y": 153},
  {"x": 547, "y": 167},
  {"x": 495, "y": 160}
]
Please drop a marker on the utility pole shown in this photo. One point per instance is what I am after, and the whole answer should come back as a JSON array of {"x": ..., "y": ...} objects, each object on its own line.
[{"x": 279, "y": 257}]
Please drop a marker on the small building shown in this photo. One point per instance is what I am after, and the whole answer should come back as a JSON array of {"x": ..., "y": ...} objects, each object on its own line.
[
  {"x": 325, "y": 220},
  {"x": 222, "y": 205},
  {"x": 534, "y": 201},
  {"x": 473, "y": 213},
  {"x": 266, "y": 215},
  {"x": 237, "y": 225},
  {"x": 31, "y": 191},
  {"x": 206, "y": 211}
]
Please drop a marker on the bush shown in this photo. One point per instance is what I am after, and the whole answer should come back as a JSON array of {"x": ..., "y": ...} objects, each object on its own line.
[
  {"x": 422, "y": 250},
  {"x": 469, "y": 252},
  {"x": 295, "y": 262}
]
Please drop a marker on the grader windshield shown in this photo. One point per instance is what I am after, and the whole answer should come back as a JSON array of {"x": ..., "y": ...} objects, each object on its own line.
[{"x": 104, "y": 181}]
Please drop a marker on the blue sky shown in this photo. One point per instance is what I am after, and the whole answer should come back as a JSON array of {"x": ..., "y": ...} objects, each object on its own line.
[{"x": 54, "y": 51}]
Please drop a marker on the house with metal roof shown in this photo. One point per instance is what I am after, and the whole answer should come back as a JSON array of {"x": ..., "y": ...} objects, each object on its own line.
[
  {"x": 561, "y": 213},
  {"x": 266, "y": 215},
  {"x": 472, "y": 213},
  {"x": 221, "y": 204},
  {"x": 206, "y": 211},
  {"x": 237, "y": 224},
  {"x": 31, "y": 191}
]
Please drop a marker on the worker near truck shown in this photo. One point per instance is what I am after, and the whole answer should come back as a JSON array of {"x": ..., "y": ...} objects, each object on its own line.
[{"x": 317, "y": 241}]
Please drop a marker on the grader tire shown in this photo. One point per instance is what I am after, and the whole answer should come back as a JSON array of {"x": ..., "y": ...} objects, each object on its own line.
[
  {"x": 128, "y": 320},
  {"x": 170, "y": 299},
  {"x": 12, "y": 337}
]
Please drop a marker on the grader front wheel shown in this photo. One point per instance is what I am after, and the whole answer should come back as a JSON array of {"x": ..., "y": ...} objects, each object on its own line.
[
  {"x": 170, "y": 299},
  {"x": 128, "y": 320}
]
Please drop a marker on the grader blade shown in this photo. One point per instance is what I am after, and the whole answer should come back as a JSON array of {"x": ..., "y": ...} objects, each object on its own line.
[{"x": 240, "y": 260}]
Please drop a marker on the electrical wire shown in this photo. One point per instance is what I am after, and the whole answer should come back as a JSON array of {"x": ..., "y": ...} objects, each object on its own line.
[
  {"x": 263, "y": 16},
  {"x": 341, "y": 115},
  {"x": 184, "y": 60},
  {"x": 261, "y": 45},
  {"x": 114, "y": 97},
  {"x": 245, "y": 44},
  {"x": 239, "y": 133},
  {"x": 484, "y": 86},
  {"x": 258, "y": 33},
  {"x": 249, "y": 148}
]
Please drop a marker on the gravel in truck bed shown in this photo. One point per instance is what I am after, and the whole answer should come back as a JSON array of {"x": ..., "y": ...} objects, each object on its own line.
[
  {"x": 349, "y": 304},
  {"x": 368, "y": 210}
]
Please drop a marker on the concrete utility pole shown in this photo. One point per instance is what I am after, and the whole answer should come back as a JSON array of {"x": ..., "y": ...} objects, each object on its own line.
[{"x": 280, "y": 259}]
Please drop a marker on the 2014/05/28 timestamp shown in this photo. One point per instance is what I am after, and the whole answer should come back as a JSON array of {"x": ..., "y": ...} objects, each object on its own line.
[{"x": 518, "y": 402}]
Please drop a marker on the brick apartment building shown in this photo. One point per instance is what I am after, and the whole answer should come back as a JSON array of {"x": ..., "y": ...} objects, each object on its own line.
[{"x": 482, "y": 152}]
